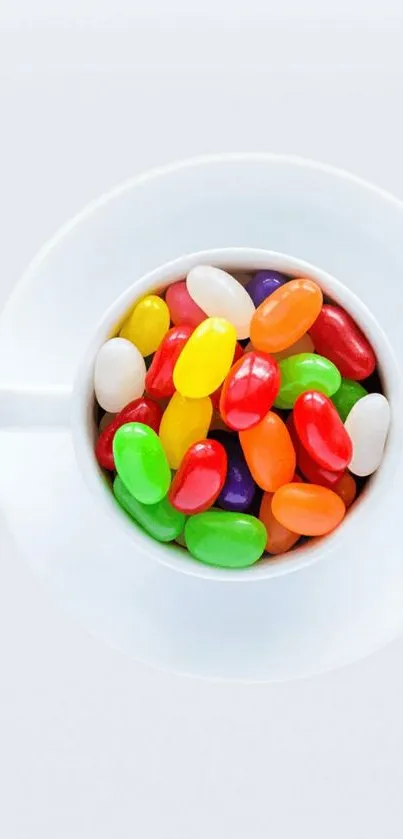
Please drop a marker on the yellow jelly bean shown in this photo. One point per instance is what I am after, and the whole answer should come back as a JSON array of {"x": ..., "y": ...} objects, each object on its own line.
[
  {"x": 205, "y": 359},
  {"x": 184, "y": 422},
  {"x": 147, "y": 324}
]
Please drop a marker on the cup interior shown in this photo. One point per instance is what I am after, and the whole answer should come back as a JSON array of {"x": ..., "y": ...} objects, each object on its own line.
[{"x": 235, "y": 260}]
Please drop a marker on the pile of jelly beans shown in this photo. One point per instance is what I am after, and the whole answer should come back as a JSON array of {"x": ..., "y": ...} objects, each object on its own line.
[{"x": 239, "y": 418}]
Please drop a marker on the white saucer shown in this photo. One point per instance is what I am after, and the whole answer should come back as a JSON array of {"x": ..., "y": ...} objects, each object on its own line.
[{"x": 324, "y": 615}]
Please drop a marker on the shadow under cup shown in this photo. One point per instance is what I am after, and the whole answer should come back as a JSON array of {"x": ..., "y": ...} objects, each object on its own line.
[{"x": 238, "y": 261}]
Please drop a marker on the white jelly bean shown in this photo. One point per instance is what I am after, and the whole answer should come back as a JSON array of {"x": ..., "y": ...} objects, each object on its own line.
[
  {"x": 304, "y": 344},
  {"x": 368, "y": 426},
  {"x": 220, "y": 295},
  {"x": 119, "y": 374}
]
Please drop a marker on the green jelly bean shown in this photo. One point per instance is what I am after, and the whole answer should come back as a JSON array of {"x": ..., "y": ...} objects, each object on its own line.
[
  {"x": 160, "y": 520},
  {"x": 225, "y": 539},
  {"x": 306, "y": 371},
  {"x": 346, "y": 396},
  {"x": 141, "y": 462}
]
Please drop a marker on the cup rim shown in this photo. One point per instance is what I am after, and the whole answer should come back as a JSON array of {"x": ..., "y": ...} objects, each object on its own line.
[{"x": 83, "y": 429}]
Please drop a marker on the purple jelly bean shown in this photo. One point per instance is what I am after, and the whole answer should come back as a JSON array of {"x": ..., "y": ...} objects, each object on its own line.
[
  {"x": 263, "y": 284},
  {"x": 239, "y": 489}
]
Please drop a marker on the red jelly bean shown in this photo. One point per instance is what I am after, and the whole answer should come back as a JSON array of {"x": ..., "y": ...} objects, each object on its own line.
[
  {"x": 181, "y": 306},
  {"x": 311, "y": 470},
  {"x": 321, "y": 431},
  {"x": 200, "y": 477},
  {"x": 249, "y": 390},
  {"x": 215, "y": 397},
  {"x": 140, "y": 410},
  {"x": 337, "y": 337},
  {"x": 159, "y": 379},
  {"x": 346, "y": 489},
  {"x": 314, "y": 473}
]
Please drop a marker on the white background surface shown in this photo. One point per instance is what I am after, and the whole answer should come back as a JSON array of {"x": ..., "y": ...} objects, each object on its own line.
[{"x": 93, "y": 744}]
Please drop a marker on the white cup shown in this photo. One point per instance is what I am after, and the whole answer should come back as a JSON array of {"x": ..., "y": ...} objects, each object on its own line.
[{"x": 84, "y": 429}]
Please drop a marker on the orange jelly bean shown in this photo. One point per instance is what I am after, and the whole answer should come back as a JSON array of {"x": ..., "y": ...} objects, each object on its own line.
[
  {"x": 279, "y": 538},
  {"x": 308, "y": 509},
  {"x": 285, "y": 315},
  {"x": 346, "y": 489},
  {"x": 269, "y": 452}
]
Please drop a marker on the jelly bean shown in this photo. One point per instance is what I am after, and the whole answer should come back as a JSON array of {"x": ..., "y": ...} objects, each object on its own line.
[
  {"x": 119, "y": 374},
  {"x": 220, "y": 295},
  {"x": 269, "y": 452},
  {"x": 304, "y": 344},
  {"x": 141, "y": 462},
  {"x": 321, "y": 431},
  {"x": 263, "y": 284},
  {"x": 217, "y": 422},
  {"x": 279, "y": 539},
  {"x": 105, "y": 421},
  {"x": 314, "y": 473},
  {"x": 249, "y": 390},
  {"x": 239, "y": 488},
  {"x": 286, "y": 315},
  {"x": 308, "y": 509},
  {"x": 368, "y": 425},
  {"x": 306, "y": 371},
  {"x": 311, "y": 470},
  {"x": 163, "y": 403},
  {"x": 346, "y": 396},
  {"x": 159, "y": 379},
  {"x": 160, "y": 520},
  {"x": 226, "y": 540},
  {"x": 147, "y": 324},
  {"x": 347, "y": 489},
  {"x": 181, "y": 306},
  {"x": 337, "y": 336},
  {"x": 141, "y": 410},
  {"x": 215, "y": 397},
  {"x": 184, "y": 422},
  {"x": 200, "y": 477},
  {"x": 205, "y": 359}
]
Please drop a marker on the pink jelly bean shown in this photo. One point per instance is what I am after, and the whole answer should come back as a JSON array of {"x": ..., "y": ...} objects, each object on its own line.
[{"x": 181, "y": 306}]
